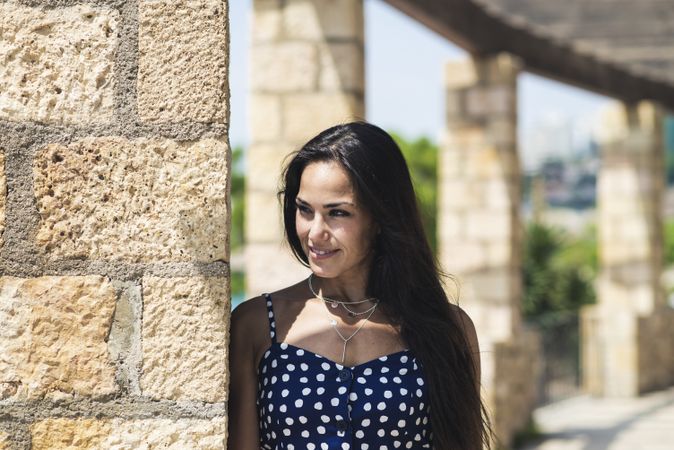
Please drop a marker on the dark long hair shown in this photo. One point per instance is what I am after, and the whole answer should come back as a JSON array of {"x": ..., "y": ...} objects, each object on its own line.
[{"x": 404, "y": 274}]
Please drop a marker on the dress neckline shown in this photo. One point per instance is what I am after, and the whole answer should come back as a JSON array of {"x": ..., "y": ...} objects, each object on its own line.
[{"x": 285, "y": 345}]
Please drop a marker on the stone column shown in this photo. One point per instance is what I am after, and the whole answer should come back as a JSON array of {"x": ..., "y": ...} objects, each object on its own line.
[
  {"x": 307, "y": 73},
  {"x": 114, "y": 294},
  {"x": 628, "y": 335},
  {"x": 480, "y": 230}
]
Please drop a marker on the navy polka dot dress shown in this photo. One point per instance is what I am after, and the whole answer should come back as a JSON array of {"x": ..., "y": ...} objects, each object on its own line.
[{"x": 306, "y": 401}]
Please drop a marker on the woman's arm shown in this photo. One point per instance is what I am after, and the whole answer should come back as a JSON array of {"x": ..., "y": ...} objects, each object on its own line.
[
  {"x": 242, "y": 411},
  {"x": 471, "y": 337}
]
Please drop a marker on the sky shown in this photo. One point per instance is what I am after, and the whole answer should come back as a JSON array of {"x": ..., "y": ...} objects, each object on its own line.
[{"x": 404, "y": 65}]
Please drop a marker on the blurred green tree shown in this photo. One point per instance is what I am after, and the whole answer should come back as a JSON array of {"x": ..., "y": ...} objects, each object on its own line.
[
  {"x": 558, "y": 271},
  {"x": 421, "y": 155}
]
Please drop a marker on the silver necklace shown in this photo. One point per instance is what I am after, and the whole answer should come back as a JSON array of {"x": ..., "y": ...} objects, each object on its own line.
[
  {"x": 335, "y": 303},
  {"x": 333, "y": 322}
]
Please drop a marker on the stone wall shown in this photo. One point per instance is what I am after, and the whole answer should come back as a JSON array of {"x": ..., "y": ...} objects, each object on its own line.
[
  {"x": 114, "y": 286},
  {"x": 307, "y": 74}
]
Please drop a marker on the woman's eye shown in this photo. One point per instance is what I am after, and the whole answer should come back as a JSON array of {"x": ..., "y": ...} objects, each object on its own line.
[
  {"x": 339, "y": 213},
  {"x": 303, "y": 209}
]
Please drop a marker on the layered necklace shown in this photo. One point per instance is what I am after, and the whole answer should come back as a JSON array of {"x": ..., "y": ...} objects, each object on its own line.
[{"x": 336, "y": 303}]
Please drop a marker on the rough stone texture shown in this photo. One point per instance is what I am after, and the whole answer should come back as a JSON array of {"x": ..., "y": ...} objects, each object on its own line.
[
  {"x": 185, "y": 332},
  {"x": 182, "y": 61},
  {"x": 57, "y": 65},
  {"x": 623, "y": 355},
  {"x": 4, "y": 441},
  {"x": 139, "y": 200},
  {"x": 91, "y": 434},
  {"x": 53, "y": 333},
  {"x": 3, "y": 195}
]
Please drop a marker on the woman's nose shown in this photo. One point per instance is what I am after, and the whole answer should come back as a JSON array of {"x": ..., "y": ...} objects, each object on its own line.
[{"x": 318, "y": 230}]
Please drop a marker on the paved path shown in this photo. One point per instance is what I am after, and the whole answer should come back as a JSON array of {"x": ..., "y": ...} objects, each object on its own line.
[{"x": 585, "y": 423}]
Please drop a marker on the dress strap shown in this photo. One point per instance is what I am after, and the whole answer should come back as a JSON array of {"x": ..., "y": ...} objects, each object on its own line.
[{"x": 270, "y": 314}]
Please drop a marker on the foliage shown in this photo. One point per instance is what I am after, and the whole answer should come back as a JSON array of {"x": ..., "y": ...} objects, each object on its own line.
[
  {"x": 557, "y": 271},
  {"x": 669, "y": 149},
  {"x": 422, "y": 159},
  {"x": 238, "y": 198},
  {"x": 669, "y": 242}
]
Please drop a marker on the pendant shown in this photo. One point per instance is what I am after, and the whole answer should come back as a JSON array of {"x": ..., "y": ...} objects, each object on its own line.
[
  {"x": 334, "y": 305},
  {"x": 333, "y": 322}
]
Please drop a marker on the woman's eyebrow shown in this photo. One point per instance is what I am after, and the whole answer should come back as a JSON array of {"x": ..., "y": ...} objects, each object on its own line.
[{"x": 327, "y": 205}]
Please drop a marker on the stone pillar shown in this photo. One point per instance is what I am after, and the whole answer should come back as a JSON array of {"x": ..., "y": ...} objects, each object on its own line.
[
  {"x": 480, "y": 230},
  {"x": 628, "y": 335},
  {"x": 307, "y": 73},
  {"x": 114, "y": 294}
]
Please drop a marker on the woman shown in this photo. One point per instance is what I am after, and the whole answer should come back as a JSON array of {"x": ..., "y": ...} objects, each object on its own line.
[{"x": 367, "y": 353}]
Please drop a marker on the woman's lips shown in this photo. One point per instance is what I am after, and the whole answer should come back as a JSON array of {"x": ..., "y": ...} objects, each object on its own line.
[{"x": 321, "y": 254}]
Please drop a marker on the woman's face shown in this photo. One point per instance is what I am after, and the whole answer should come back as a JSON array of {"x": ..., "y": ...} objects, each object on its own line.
[{"x": 335, "y": 231}]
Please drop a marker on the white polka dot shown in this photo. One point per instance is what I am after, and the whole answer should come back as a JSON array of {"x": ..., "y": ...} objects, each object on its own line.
[
  {"x": 419, "y": 393},
  {"x": 361, "y": 380},
  {"x": 381, "y": 406},
  {"x": 425, "y": 421},
  {"x": 383, "y": 380},
  {"x": 274, "y": 363},
  {"x": 334, "y": 402},
  {"x": 283, "y": 408},
  {"x": 298, "y": 403},
  {"x": 289, "y": 420},
  {"x": 345, "y": 446},
  {"x": 421, "y": 405},
  {"x": 365, "y": 422},
  {"x": 290, "y": 367},
  {"x": 286, "y": 432},
  {"x": 420, "y": 382},
  {"x": 285, "y": 392},
  {"x": 311, "y": 446},
  {"x": 408, "y": 445},
  {"x": 271, "y": 408},
  {"x": 383, "y": 358},
  {"x": 353, "y": 396},
  {"x": 367, "y": 406},
  {"x": 418, "y": 421},
  {"x": 324, "y": 446},
  {"x": 320, "y": 377},
  {"x": 284, "y": 356},
  {"x": 305, "y": 433},
  {"x": 304, "y": 380},
  {"x": 403, "y": 371},
  {"x": 325, "y": 418},
  {"x": 273, "y": 379},
  {"x": 368, "y": 391},
  {"x": 284, "y": 345},
  {"x": 403, "y": 359},
  {"x": 396, "y": 444},
  {"x": 318, "y": 405},
  {"x": 325, "y": 366},
  {"x": 364, "y": 446},
  {"x": 383, "y": 419},
  {"x": 381, "y": 433},
  {"x": 397, "y": 380},
  {"x": 306, "y": 391},
  {"x": 388, "y": 394},
  {"x": 304, "y": 367},
  {"x": 320, "y": 390},
  {"x": 360, "y": 434},
  {"x": 285, "y": 377},
  {"x": 403, "y": 406},
  {"x": 403, "y": 391},
  {"x": 341, "y": 390},
  {"x": 367, "y": 372},
  {"x": 401, "y": 423},
  {"x": 384, "y": 369},
  {"x": 299, "y": 352},
  {"x": 302, "y": 419},
  {"x": 395, "y": 433},
  {"x": 320, "y": 429}
]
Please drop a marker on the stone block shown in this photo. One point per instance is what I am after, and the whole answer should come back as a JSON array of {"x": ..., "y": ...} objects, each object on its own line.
[
  {"x": 458, "y": 194},
  {"x": 267, "y": 23},
  {"x": 264, "y": 164},
  {"x": 3, "y": 196},
  {"x": 271, "y": 266},
  {"x": 53, "y": 333},
  {"x": 182, "y": 61},
  {"x": 284, "y": 67},
  {"x": 461, "y": 256},
  {"x": 492, "y": 101},
  {"x": 81, "y": 434},
  {"x": 460, "y": 74},
  {"x": 58, "y": 63},
  {"x": 264, "y": 222},
  {"x": 489, "y": 225},
  {"x": 306, "y": 115},
  {"x": 342, "y": 67},
  {"x": 184, "y": 338},
  {"x": 324, "y": 19},
  {"x": 135, "y": 200},
  {"x": 264, "y": 112}
]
